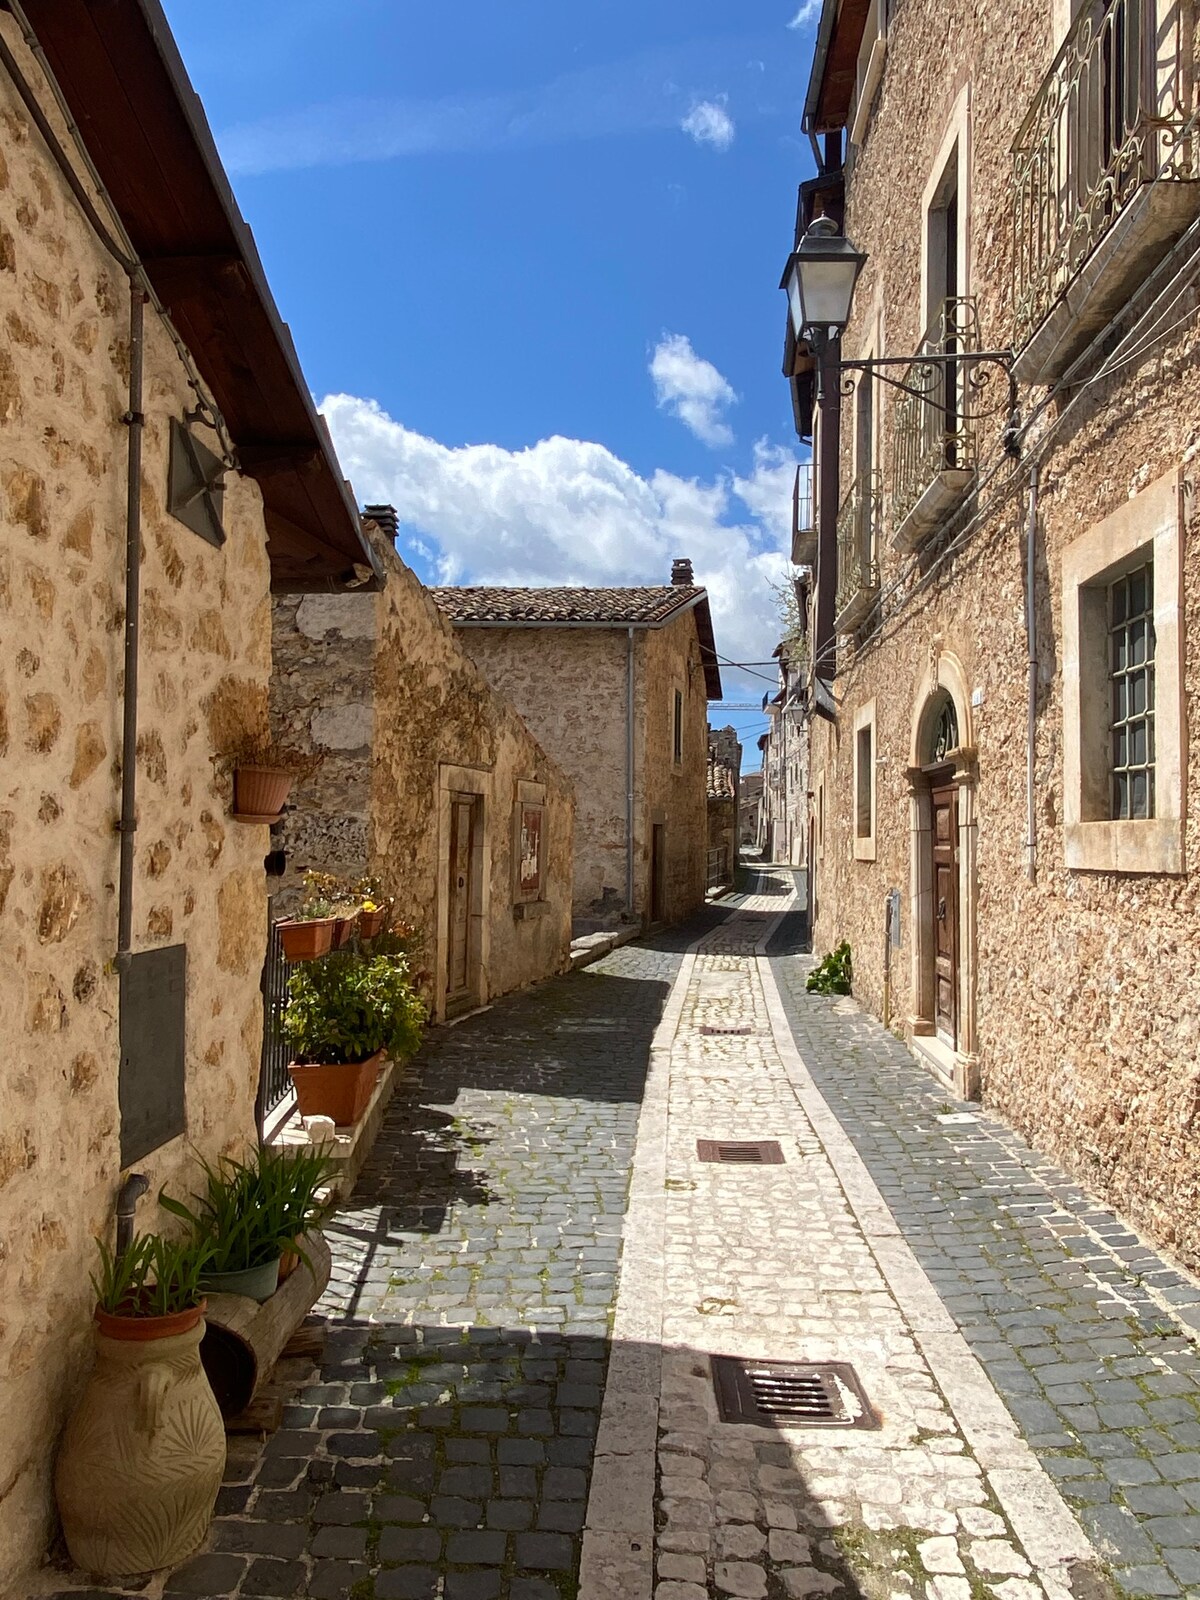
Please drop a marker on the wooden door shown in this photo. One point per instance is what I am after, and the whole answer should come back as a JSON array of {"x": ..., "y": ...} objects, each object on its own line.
[
  {"x": 945, "y": 912},
  {"x": 658, "y": 871},
  {"x": 461, "y": 886}
]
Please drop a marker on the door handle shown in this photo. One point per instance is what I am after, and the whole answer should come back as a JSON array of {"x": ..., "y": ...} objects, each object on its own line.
[
  {"x": 462, "y": 884},
  {"x": 941, "y": 911}
]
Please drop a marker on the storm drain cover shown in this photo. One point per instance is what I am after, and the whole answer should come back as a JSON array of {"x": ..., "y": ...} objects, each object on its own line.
[
  {"x": 725, "y": 1027},
  {"x": 791, "y": 1394},
  {"x": 741, "y": 1152}
]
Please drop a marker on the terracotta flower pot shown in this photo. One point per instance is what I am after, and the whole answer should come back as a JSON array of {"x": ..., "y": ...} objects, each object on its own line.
[
  {"x": 371, "y": 922},
  {"x": 343, "y": 930},
  {"x": 143, "y": 1454},
  {"x": 304, "y": 940},
  {"x": 341, "y": 1092},
  {"x": 136, "y": 1329},
  {"x": 260, "y": 793}
]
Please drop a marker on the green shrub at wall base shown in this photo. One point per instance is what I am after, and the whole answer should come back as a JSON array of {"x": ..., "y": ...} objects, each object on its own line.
[
  {"x": 345, "y": 1006},
  {"x": 833, "y": 975}
]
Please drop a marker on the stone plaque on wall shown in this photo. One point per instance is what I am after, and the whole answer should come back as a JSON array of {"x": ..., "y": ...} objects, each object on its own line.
[
  {"x": 151, "y": 1087},
  {"x": 529, "y": 882}
]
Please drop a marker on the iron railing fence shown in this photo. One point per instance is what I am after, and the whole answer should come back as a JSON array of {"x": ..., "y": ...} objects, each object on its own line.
[
  {"x": 1112, "y": 113},
  {"x": 274, "y": 1082},
  {"x": 858, "y": 567},
  {"x": 932, "y": 431}
]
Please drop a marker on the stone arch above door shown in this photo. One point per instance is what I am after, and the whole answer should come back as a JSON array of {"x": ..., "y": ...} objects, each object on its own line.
[{"x": 944, "y": 677}]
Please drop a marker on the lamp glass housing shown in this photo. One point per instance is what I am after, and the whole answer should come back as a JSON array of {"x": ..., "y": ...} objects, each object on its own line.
[{"x": 820, "y": 280}]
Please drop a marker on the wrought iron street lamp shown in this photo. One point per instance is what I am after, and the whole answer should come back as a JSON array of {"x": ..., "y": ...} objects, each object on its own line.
[{"x": 820, "y": 278}]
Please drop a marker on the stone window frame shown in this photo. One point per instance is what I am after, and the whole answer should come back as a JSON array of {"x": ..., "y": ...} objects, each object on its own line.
[
  {"x": 865, "y": 721},
  {"x": 1148, "y": 527},
  {"x": 820, "y": 809},
  {"x": 529, "y": 795},
  {"x": 956, "y": 146}
]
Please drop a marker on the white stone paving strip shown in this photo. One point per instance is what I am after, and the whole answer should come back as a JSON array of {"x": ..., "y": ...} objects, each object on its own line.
[{"x": 801, "y": 1261}]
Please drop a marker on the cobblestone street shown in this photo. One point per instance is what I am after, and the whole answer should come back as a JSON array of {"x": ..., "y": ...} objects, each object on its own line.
[{"x": 516, "y": 1397}]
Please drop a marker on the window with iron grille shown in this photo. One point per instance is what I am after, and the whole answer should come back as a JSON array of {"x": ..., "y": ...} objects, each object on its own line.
[
  {"x": 1131, "y": 656},
  {"x": 678, "y": 728}
]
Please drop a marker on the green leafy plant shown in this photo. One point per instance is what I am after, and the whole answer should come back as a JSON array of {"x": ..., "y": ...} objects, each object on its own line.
[
  {"x": 250, "y": 1212},
  {"x": 154, "y": 1277},
  {"x": 347, "y": 1005},
  {"x": 834, "y": 974}
]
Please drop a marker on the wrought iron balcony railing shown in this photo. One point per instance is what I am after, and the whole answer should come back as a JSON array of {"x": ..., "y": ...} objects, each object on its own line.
[
  {"x": 933, "y": 439},
  {"x": 1110, "y": 117},
  {"x": 804, "y": 527},
  {"x": 858, "y": 568}
]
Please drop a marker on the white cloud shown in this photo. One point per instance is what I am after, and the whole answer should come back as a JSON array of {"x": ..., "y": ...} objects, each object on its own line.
[
  {"x": 691, "y": 389},
  {"x": 566, "y": 511},
  {"x": 708, "y": 122},
  {"x": 809, "y": 11}
]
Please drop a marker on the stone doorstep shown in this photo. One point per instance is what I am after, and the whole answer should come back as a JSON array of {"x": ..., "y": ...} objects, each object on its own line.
[
  {"x": 351, "y": 1146},
  {"x": 592, "y": 946},
  {"x": 957, "y": 1074}
]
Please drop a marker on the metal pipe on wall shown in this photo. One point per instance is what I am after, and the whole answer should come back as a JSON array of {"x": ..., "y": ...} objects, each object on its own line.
[
  {"x": 135, "y": 422},
  {"x": 1031, "y": 641},
  {"x": 629, "y": 660}
]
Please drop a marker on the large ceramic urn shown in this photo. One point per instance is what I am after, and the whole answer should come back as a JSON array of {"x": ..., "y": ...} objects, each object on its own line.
[{"x": 144, "y": 1452}]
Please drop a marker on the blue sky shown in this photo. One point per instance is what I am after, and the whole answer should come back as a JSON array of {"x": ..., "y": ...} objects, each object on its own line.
[{"x": 529, "y": 255}]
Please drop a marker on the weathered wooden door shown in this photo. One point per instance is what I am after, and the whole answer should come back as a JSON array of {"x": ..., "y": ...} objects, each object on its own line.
[
  {"x": 945, "y": 912},
  {"x": 658, "y": 871},
  {"x": 460, "y": 898}
]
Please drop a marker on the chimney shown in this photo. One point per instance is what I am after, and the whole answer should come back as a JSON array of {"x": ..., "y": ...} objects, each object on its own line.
[
  {"x": 385, "y": 519},
  {"x": 681, "y": 572}
]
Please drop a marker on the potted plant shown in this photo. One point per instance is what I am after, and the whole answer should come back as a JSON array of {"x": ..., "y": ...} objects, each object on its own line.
[
  {"x": 310, "y": 933},
  {"x": 263, "y": 773},
  {"x": 374, "y": 908},
  {"x": 143, "y": 1454},
  {"x": 343, "y": 1014},
  {"x": 249, "y": 1214}
]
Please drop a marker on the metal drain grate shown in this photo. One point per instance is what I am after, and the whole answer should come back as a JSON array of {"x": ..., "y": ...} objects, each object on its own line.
[
  {"x": 725, "y": 1027},
  {"x": 791, "y": 1394},
  {"x": 741, "y": 1152}
]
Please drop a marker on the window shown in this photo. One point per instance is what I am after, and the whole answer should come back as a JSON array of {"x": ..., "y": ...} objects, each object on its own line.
[
  {"x": 1131, "y": 641},
  {"x": 529, "y": 848},
  {"x": 869, "y": 68},
  {"x": 862, "y": 796},
  {"x": 678, "y": 729},
  {"x": 1123, "y": 767},
  {"x": 864, "y": 782}
]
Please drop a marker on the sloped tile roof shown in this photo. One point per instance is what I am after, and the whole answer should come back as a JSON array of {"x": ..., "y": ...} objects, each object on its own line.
[
  {"x": 565, "y": 605},
  {"x": 639, "y": 608}
]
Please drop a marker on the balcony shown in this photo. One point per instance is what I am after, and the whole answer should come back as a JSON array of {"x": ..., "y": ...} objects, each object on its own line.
[
  {"x": 1105, "y": 175},
  {"x": 858, "y": 570},
  {"x": 933, "y": 441},
  {"x": 804, "y": 526}
]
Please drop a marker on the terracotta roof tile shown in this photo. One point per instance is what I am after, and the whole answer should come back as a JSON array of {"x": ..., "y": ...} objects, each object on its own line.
[{"x": 564, "y": 605}]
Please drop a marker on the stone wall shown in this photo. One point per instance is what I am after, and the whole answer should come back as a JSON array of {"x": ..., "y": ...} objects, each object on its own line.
[
  {"x": 1084, "y": 987},
  {"x": 383, "y": 684},
  {"x": 205, "y": 663},
  {"x": 669, "y": 659},
  {"x": 570, "y": 685}
]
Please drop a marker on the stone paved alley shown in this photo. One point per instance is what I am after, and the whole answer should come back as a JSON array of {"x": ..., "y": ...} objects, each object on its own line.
[{"x": 515, "y": 1398}]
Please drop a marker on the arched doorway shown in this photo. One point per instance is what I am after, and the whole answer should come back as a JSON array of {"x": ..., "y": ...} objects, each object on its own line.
[{"x": 942, "y": 784}]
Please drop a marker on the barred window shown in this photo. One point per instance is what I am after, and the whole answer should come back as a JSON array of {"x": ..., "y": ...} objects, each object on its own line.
[{"x": 1131, "y": 643}]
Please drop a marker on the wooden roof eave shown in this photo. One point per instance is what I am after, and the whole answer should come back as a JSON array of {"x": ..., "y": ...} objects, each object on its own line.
[{"x": 124, "y": 81}]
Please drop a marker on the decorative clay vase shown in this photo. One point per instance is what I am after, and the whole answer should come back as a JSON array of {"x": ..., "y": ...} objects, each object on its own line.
[{"x": 142, "y": 1456}]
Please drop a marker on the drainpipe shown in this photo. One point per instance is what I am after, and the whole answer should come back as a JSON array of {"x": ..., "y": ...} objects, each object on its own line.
[
  {"x": 135, "y": 422},
  {"x": 128, "y": 1195},
  {"x": 1031, "y": 639},
  {"x": 629, "y": 772}
]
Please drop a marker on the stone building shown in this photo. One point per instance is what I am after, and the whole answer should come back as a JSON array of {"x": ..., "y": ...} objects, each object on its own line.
[
  {"x": 749, "y": 810},
  {"x": 432, "y": 783},
  {"x": 784, "y": 826},
  {"x": 1008, "y": 586},
  {"x": 141, "y": 345},
  {"x": 724, "y": 804},
  {"x": 615, "y": 684}
]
